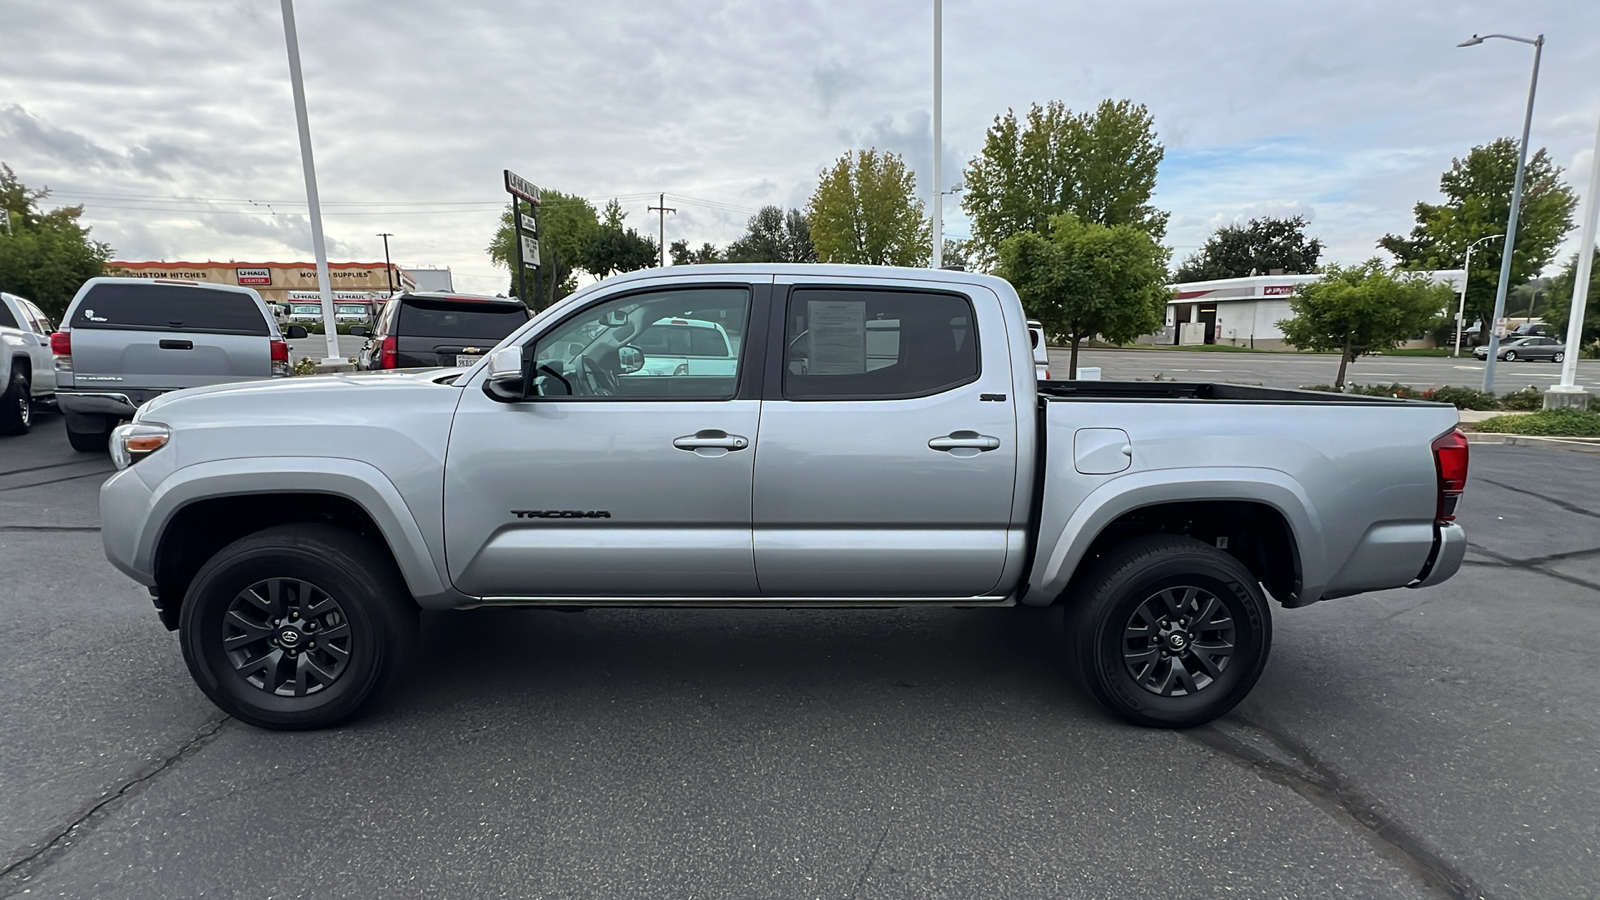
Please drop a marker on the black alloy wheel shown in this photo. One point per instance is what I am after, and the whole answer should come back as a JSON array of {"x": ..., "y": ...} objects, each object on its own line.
[
  {"x": 1168, "y": 631},
  {"x": 297, "y": 626}
]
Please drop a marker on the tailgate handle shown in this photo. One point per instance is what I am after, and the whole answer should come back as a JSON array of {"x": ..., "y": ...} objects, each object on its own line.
[
  {"x": 963, "y": 443},
  {"x": 177, "y": 345}
]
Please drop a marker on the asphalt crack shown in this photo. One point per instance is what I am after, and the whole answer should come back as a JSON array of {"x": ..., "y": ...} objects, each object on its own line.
[
  {"x": 33, "y": 484},
  {"x": 48, "y": 528},
  {"x": 41, "y": 854},
  {"x": 1554, "y": 501},
  {"x": 1272, "y": 754},
  {"x": 1535, "y": 564},
  {"x": 871, "y": 861}
]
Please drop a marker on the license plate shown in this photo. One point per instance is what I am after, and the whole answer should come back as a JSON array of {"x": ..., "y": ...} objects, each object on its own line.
[{"x": 467, "y": 360}]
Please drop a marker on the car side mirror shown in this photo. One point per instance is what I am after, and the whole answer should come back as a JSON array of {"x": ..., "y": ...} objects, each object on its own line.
[
  {"x": 359, "y": 331},
  {"x": 630, "y": 359},
  {"x": 504, "y": 381},
  {"x": 296, "y": 331}
]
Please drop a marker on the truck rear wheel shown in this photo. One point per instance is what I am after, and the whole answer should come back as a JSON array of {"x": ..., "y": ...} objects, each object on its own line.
[
  {"x": 16, "y": 404},
  {"x": 1169, "y": 632},
  {"x": 298, "y": 626},
  {"x": 90, "y": 434}
]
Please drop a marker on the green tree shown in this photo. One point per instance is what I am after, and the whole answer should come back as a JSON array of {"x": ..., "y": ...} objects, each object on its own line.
[
  {"x": 46, "y": 256},
  {"x": 1097, "y": 166},
  {"x": 1356, "y": 310},
  {"x": 1083, "y": 279},
  {"x": 1235, "y": 251},
  {"x": 773, "y": 235},
  {"x": 681, "y": 255},
  {"x": 865, "y": 210},
  {"x": 1558, "y": 301},
  {"x": 1477, "y": 192},
  {"x": 565, "y": 223},
  {"x": 613, "y": 247}
]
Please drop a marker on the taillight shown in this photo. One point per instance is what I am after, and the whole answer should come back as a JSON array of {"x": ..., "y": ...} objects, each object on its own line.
[
  {"x": 280, "y": 358},
  {"x": 1450, "y": 462},
  {"x": 388, "y": 352},
  {"x": 61, "y": 346}
]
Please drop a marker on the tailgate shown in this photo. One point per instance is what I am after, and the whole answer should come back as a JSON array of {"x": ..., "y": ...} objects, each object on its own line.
[{"x": 167, "y": 359}]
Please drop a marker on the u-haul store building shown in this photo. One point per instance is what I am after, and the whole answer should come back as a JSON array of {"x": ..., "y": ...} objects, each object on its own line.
[
  {"x": 274, "y": 280},
  {"x": 1244, "y": 312}
]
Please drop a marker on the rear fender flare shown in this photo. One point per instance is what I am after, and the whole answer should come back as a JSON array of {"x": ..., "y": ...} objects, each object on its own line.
[{"x": 1060, "y": 553}]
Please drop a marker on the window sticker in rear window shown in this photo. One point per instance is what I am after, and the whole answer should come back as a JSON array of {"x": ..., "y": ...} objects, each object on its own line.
[{"x": 169, "y": 307}]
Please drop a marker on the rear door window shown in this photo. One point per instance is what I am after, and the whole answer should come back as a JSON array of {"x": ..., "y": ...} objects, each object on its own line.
[
  {"x": 465, "y": 319},
  {"x": 877, "y": 345},
  {"x": 169, "y": 307}
]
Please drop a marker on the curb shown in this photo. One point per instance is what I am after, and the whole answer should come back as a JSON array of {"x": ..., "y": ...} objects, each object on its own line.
[{"x": 1576, "y": 445}]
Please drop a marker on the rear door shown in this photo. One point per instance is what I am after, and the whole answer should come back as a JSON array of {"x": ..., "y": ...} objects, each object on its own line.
[
  {"x": 448, "y": 332},
  {"x": 168, "y": 336},
  {"x": 36, "y": 328},
  {"x": 888, "y": 453}
]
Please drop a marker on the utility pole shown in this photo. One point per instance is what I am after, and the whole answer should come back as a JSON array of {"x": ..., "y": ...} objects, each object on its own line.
[
  {"x": 388, "y": 268},
  {"x": 938, "y": 132},
  {"x": 661, "y": 235}
]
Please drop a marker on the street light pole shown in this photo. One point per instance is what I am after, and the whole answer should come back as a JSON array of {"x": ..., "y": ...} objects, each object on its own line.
[
  {"x": 388, "y": 268},
  {"x": 1568, "y": 393},
  {"x": 1466, "y": 274},
  {"x": 324, "y": 285},
  {"x": 938, "y": 132},
  {"x": 1516, "y": 204}
]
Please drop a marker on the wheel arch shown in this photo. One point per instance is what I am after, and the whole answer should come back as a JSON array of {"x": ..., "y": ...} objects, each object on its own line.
[
  {"x": 1269, "y": 523},
  {"x": 195, "y": 513}
]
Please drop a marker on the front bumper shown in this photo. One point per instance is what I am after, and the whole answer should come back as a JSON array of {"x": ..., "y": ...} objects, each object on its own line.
[{"x": 1447, "y": 555}]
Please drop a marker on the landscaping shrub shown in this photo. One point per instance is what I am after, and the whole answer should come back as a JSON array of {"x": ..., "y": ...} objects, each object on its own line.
[
  {"x": 1552, "y": 422},
  {"x": 1390, "y": 390},
  {"x": 1462, "y": 397},
  {"x": 1528, "y": 399}
]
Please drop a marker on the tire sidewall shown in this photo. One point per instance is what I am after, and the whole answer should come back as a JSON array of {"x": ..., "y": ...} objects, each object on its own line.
[
  {"x": 1122, "y": 596},
  {"x": 231, "y": 571},
  {"x": 16, "y": 404}
]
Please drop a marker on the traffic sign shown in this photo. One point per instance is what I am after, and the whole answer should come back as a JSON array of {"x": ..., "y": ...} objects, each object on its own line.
[
  {"x": 529, "y": 224},
  {"x": 530, "y": 250},
  {"x": 522, "y": 187}
]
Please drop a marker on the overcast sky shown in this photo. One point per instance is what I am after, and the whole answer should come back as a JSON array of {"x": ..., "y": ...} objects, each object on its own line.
[{"x": 173, "y": 121}]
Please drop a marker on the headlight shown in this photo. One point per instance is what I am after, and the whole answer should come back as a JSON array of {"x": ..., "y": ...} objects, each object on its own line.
[{"x": 136, "y": 440}]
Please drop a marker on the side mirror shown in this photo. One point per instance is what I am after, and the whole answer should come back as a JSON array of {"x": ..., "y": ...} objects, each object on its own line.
[
  {"x": 359, "y": 331},
  {"x": 630, "y": 359},
  {"x": 296, "y": 331},
  {"x": 504, "y": 381}
]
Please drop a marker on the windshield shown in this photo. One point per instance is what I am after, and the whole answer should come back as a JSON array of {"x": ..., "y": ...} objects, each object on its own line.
[
  {"x": 356, "y": 309},
  {"x": 302, "y": 309}
]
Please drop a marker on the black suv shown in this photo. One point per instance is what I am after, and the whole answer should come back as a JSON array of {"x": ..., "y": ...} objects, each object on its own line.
[{"x": 420, "y": 330}]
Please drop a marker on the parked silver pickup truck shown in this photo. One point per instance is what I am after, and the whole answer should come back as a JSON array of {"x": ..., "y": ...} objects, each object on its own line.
[
  {"x": 26, "y": 365},
  {"x": 881, "y": 442}
]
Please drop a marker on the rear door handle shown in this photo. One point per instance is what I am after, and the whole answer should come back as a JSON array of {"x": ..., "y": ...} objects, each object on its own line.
[
  {"x": 711, "y": 442},
  {"x": 177, "y": 345},
  {"x": 964, "y": 443}
]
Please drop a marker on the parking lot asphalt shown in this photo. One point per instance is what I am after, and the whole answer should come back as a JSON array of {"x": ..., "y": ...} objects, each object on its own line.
[
  {"x": 1298, "y": 369},
  {"x": 1432, "y": 743}
]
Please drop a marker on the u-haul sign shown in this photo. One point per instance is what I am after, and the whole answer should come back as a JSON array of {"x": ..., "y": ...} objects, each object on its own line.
[{"x": 254, "y": 276}]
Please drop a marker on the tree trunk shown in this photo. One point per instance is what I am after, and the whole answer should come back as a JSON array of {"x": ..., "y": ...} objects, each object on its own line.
[{"x": 1344, "y": 360}]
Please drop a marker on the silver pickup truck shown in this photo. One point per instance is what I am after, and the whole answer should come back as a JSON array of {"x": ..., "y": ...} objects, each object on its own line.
[{"x": 882, "y": 442}]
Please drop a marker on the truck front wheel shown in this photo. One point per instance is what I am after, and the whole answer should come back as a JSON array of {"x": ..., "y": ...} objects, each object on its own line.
[
  {"x": 297, "y": 626},
  {"x": 1168, "y": 631}
]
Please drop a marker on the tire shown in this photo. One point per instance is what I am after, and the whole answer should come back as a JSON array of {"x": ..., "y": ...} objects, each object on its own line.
[
  {"x": 1559, "y": 356},
  {"x": 16, "y": 404},
  {"x": 90, "y": 434},
  {"x": 235, "y": 626},
  {"x": 1142, "y": 587},
  {"x": 1509, "y": 355}
]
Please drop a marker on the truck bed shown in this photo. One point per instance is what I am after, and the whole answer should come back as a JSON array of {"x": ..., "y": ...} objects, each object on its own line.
[{"x": 1196, "y": 390}]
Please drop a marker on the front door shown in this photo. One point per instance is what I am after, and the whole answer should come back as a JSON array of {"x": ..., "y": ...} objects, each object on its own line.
[
  {"x": 888, "y": 454},
  {"x": 619, "y": 479}
]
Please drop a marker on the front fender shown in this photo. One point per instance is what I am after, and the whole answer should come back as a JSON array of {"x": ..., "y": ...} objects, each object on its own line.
[
  {"x": 1063, "y": 546},
  {"x": 360, "y": 482}
]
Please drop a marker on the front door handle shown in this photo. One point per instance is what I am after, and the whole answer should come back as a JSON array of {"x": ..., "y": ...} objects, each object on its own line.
[
  {"x": 964, "y": 443},
  {"x": 711, "y": 442}
]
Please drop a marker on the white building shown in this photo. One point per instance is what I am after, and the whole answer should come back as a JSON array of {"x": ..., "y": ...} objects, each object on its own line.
[{"x": 1244, "y": 312}]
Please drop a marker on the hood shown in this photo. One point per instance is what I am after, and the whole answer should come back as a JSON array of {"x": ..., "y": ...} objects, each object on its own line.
[{"x": 330, "y": 391}]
